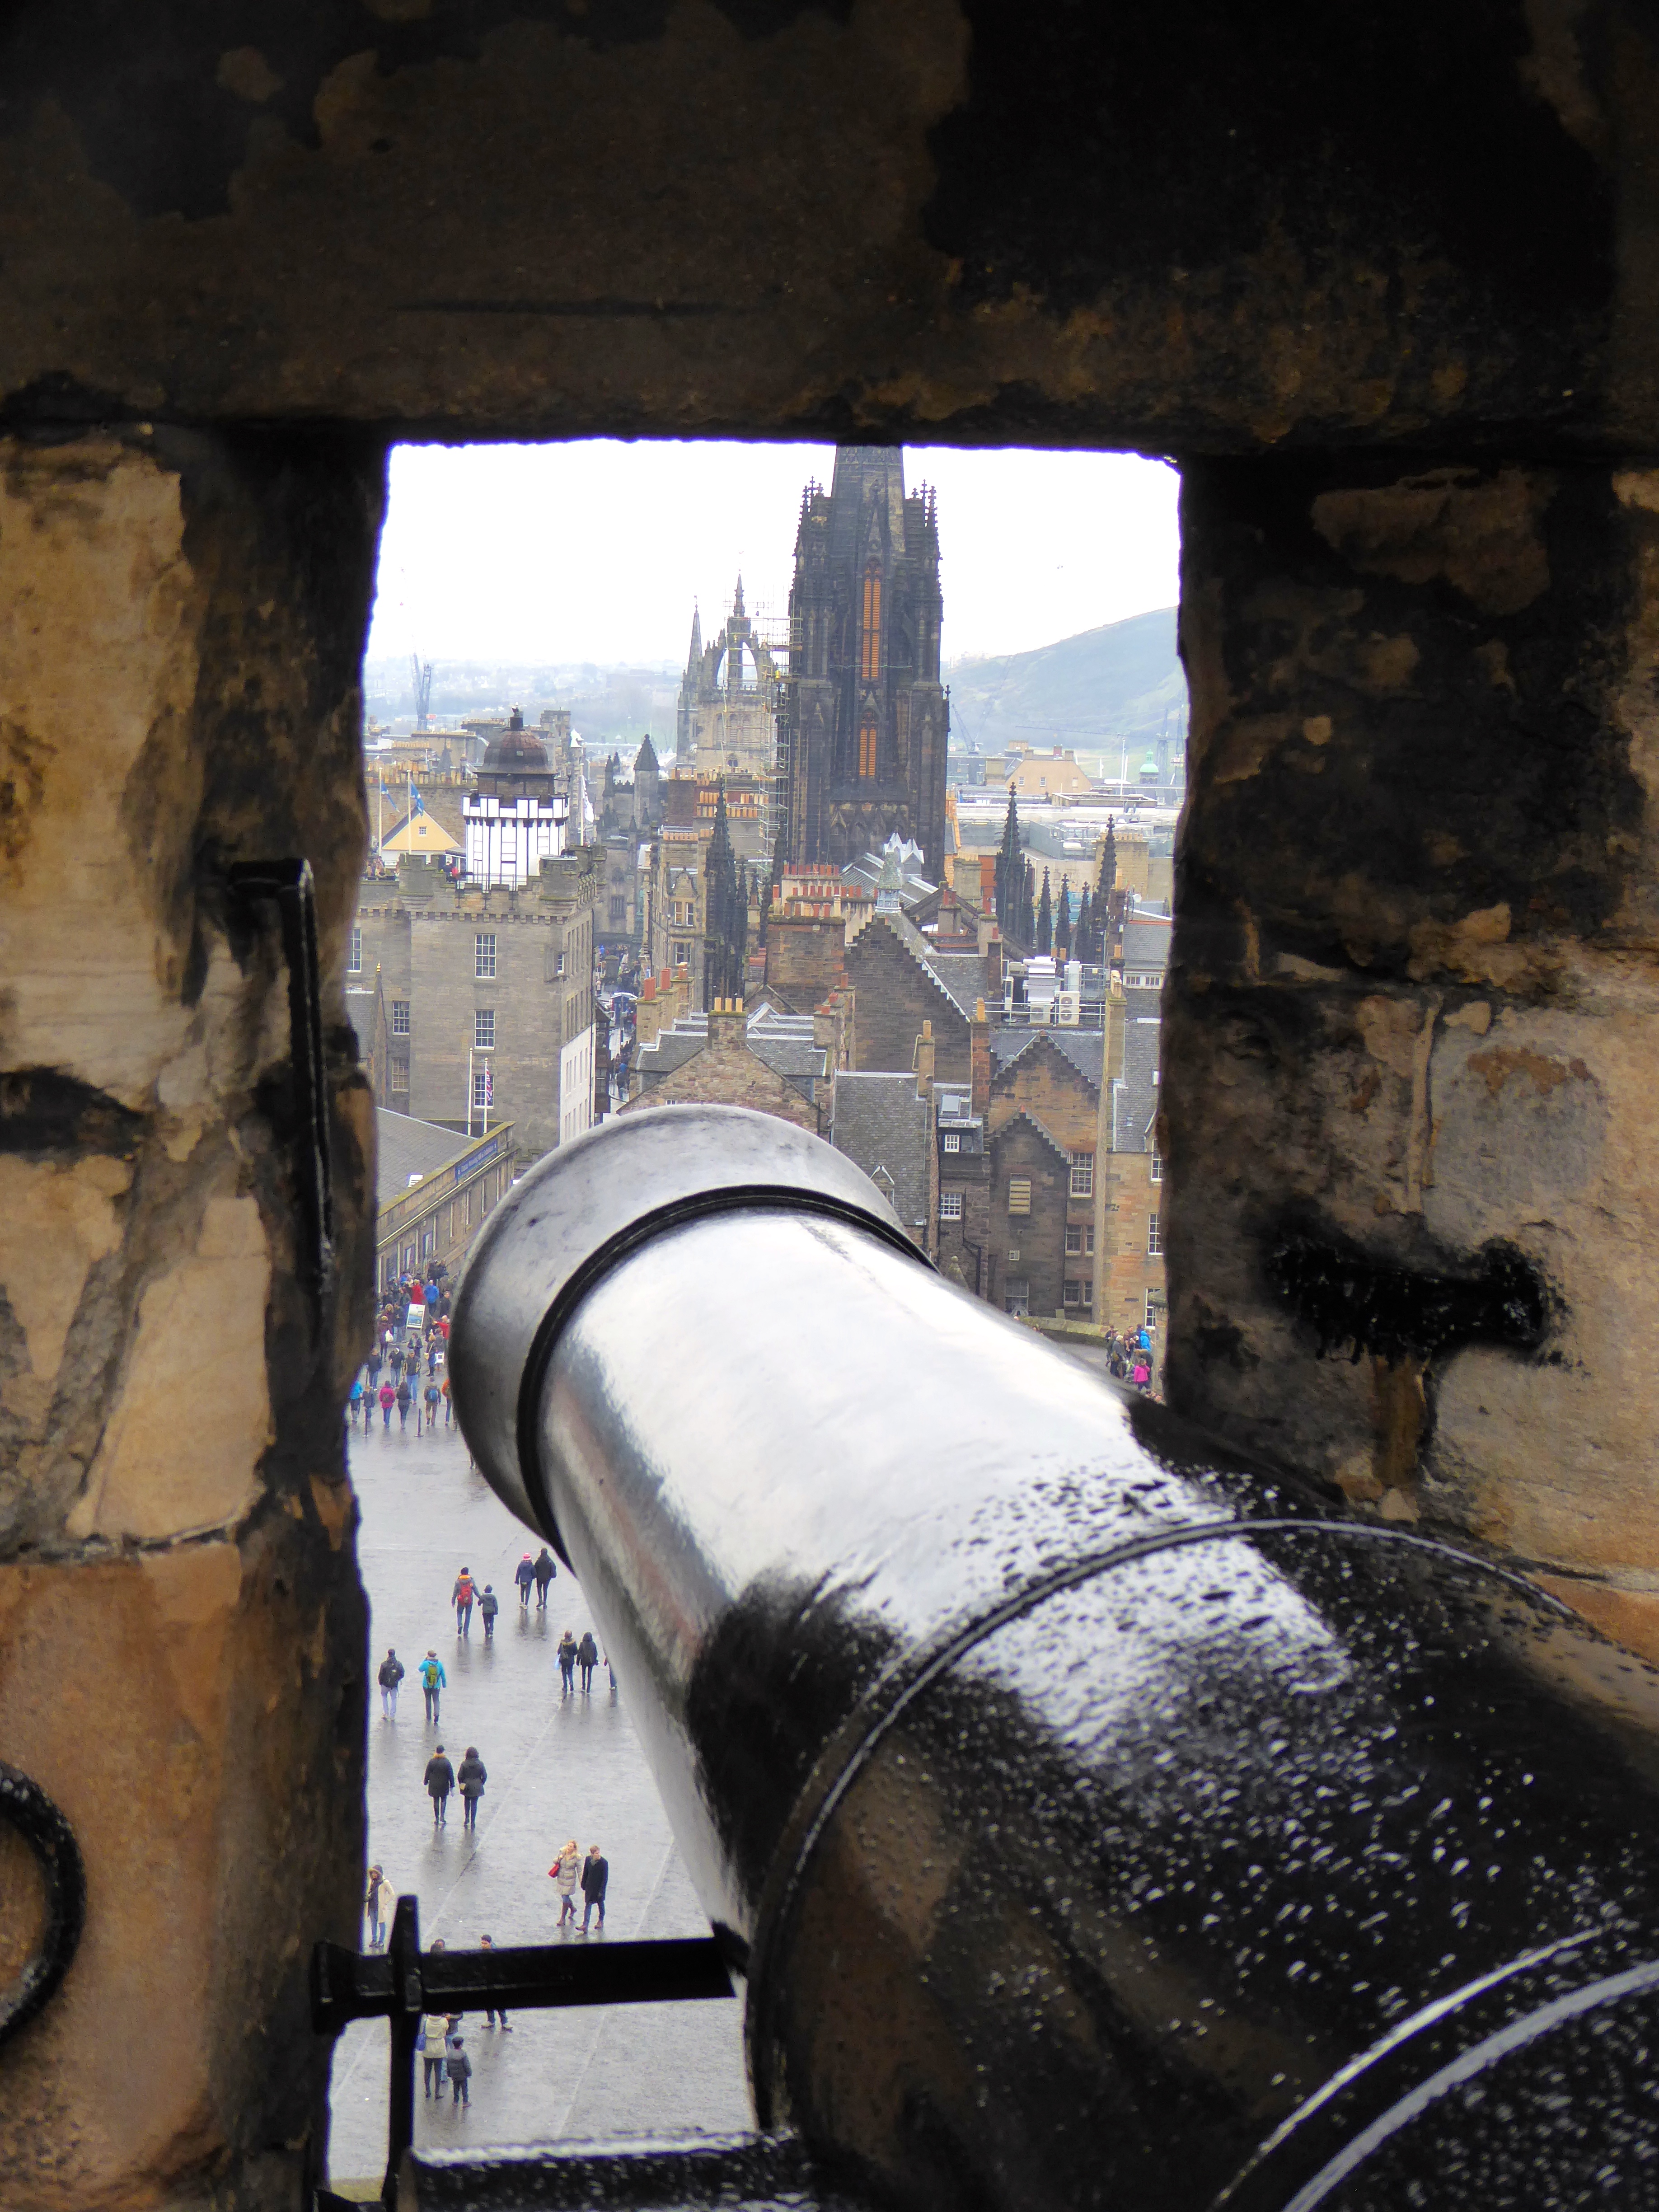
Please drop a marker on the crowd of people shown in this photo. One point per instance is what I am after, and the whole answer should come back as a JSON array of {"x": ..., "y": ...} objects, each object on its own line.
[
  {"x": 407, "y": 1371},
  {"x": 1130, "y": 1359}
]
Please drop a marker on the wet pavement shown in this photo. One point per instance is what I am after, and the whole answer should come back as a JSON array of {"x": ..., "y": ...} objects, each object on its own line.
[{"x": 558, "y": 1767}]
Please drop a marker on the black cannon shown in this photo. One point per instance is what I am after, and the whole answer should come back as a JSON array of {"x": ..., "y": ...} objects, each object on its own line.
[{"x": 1098, "y": 1821}]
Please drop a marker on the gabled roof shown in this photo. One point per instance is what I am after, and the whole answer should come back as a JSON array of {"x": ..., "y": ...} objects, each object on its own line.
[
  {"x": 883, "y": 1127},
  {"x": 419, "y": 833},
  {"x": 1135, "y": 1101},
  {"x": 1046, "y": 1135},
  {"x": 1083, "y": 1049}
]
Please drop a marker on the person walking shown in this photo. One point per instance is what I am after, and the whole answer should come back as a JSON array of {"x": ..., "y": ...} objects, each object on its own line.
[
  {"x": 488, "y": 1943},
  {"x": 434, "y": 1398},
  {"x": 460, "y": 2071},
  {"x": 448, "y": 1403},
  {"x": 406, "y": 1398},
  {"x": 461, "y": 1598},
  {"x": 472, "y": 1777},
  {"x": 565, "y": 1870},
  {"x": 544, "y": 1572},
  {"x": 391, "y": 1674},
  {"x": 523, "y": 1574},
  {"x": 434, "y": 1682},
  {"x": 489, "y": 1606},
  {"x": 377, "y": 1905},
  {"x": 596, "y": 1879},
  {"x": 433, "y": 2043},
  {"x": 388, "y": 1399},
  {"x": 567, "y": 1650},
  {"x": 374, "y": 1367},
  {"x": 356, "y": 1398},
  {"x": 440, "y": 1781},
  {"x": 587, "y": 1658}
]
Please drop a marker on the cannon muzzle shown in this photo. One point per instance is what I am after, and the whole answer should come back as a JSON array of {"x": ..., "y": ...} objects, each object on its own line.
[{"x": 1105, "y": 1822}]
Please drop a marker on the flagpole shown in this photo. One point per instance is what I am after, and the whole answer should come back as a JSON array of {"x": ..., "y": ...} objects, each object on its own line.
[{"x": 468, "y": 1090}]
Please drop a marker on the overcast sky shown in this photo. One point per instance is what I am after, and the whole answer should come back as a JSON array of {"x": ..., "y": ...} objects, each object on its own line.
[{"x": 595, "y": 551}]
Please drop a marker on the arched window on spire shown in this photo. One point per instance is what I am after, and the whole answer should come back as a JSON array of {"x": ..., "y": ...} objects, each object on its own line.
[
  {"x": 870, "y": 653},
  {"x": 867, "y": 746}
]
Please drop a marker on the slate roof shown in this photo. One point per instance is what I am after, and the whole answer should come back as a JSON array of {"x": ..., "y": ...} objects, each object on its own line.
[
  {"x": 883, "y": 1128},
  {"x": 782, "y": 1042},
  {"x": 1084, "y": 1048},
  {"x": 1135, "y": 1101},
  {"x": 1145, "y": 941},
  {"x": 406, "y": 1147}
]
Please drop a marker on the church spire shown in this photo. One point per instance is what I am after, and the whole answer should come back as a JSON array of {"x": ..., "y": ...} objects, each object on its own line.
[
  {"x": 696, "y": 653},
  {"x": 737, "y": 602}
]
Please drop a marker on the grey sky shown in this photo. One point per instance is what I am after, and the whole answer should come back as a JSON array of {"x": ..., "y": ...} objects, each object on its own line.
[{"x": 595, "y": 551}]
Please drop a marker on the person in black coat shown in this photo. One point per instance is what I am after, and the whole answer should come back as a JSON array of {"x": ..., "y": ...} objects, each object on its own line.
[
  {"x": 440, "y": 1781},
  {"x": 587, "y": 1658},
  {"x": 472, "y": 1778},
  {"x": 596, "y": 1879},
  {"x": 392, "y": 1673},
  {"x": 544, "y": 1572}
]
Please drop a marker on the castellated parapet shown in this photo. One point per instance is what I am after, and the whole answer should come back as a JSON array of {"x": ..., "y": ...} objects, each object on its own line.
[{"x": 478, "y": 978}]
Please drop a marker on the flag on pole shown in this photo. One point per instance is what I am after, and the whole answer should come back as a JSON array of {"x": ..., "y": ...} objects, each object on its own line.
[{"x": 489, "y": 1084}]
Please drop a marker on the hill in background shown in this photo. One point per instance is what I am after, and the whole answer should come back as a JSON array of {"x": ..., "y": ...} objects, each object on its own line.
[{"x": 1122, "y": 681}]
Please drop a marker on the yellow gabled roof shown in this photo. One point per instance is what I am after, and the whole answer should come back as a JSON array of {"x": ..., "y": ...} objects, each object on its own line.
[{"x": 419, "y": 833}]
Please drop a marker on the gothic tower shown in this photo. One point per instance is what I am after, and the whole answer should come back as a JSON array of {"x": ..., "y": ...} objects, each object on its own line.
[{"x": 864, "y": 723}]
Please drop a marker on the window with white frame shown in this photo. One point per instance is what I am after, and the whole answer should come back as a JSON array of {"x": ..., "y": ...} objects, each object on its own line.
[
  {"x": 950, "y": 1205},
  {"x": 1074, "y": 1294},
  {"x": 480, "y": 1090},
  {"x": 483, "y": 1029},
  {"x": 1153, "y": 1311},
  {"x": 400, "y": 1017},
  {"x": 1074, "y": 1239},
  {"x": 953, "y": 1143},
  {"x": 354, "y": 954},
  {"x": 1154, "y": 1236},
  {"x": 682, "y": 955},
  {"x": 1155, "y": 1172},
  {"x": 558, "y": 965},
  {"x": 1083, "y": 1174},
  {"x": 483, "y": 955}
]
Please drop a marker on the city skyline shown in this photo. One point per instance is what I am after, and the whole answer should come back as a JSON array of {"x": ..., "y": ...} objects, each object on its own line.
[{"x": 596, "y": 551}]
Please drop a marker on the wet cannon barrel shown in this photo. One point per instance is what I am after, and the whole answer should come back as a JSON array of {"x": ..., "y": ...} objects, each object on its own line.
[{"x": 1102, "y": 1823}]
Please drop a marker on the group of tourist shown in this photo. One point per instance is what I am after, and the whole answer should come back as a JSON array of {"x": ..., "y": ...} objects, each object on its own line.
[
  {"x": 407, "y": 1369},
  {"x": 1130, "y": 1358}
]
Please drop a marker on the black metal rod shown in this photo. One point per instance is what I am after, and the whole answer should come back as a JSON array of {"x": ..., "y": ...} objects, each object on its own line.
[
  {"x": 405, "y": 2006},
  {"x": 405, "y": 1983}
]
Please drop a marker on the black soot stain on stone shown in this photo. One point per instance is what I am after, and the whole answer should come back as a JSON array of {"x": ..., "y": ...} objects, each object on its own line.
[
  {"x": 142, "y": 89},
  {"x": 43, "y": 1111},
  {"x": 1350, "y": 1296}
]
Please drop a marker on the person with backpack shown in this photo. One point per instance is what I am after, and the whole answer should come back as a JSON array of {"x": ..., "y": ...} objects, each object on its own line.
[
  {"x": 523, "y": 1574},
  {"x": 434, "y": 1682},
  {"x": 355, "y": 1400},
  {"x": 471, "y": 1775},
  {"x": 461, "y": 1598},
  {"x": 377, "y": 1903},
  {"x": 388, "y": 1399},
  {"x": 391, "y": 1674},
  {"x": 406, "y": 1398},
  {"x": 566, "y": 1655},
  {"x": 434, "y": 1399},
  {"x": 440, "y": 1781},
  {"x": 544, "y": 1572},
  {"x": 489, "y": 1606},
  {"x": 587, "y": 1658}
]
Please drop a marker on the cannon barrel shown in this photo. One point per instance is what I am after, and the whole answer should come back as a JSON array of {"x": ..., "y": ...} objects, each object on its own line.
[{"x": 1107, "y": 1823}]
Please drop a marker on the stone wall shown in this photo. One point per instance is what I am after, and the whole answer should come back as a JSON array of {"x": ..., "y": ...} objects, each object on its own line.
[
  {"x": 1414, "y": 1235},
  {"x": 895, "y": 994},
  {"x": 181, "y": 1627}
]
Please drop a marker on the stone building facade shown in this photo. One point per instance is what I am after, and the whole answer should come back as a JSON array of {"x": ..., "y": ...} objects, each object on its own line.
[
  {"x": 727, "y": 718},
  {"x": 486, "y": 978},
  {"x": 1042, "y": 1128},
  {"x": 712, "y": 1059},
  {"x": 862, "y": 748},
  {"x": 433, "y": 1189},
  {"x": 1130, "y": 1223}
]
